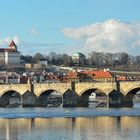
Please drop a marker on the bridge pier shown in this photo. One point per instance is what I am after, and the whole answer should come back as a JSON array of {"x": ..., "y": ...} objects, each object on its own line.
[
  {"x": 70, "y": 99},
  {"x": 29, "y": 99},
  {"x": 117, "y": 99},
  {"x": 3, "y": 102}
]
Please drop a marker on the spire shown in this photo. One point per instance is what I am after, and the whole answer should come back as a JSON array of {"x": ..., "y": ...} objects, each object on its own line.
[{"x": 12, "y": 45}]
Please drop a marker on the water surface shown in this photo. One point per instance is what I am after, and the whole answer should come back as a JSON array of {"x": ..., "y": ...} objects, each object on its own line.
[
  {"x": 70, "y": 123},
  {"x": 93, "y": 128}
]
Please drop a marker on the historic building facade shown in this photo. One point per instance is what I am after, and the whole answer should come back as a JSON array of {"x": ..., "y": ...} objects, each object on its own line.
[
  {"x": 78, "y": 59},
  {"x": 10, "y": 55}
]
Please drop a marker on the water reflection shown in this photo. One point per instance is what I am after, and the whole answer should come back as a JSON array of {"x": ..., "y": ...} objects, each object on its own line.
[{"x": 107, "y": 128}]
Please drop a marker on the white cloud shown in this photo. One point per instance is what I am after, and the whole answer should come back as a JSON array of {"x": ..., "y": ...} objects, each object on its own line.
[
  {"x": 109, "y": 36},
  {"x": 16, "y": 40},
  {"x": 34, "y": 31}
]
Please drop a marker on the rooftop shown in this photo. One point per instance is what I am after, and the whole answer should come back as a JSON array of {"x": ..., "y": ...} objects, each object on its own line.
[
  {"x": 10, "y": 49},
  {"x": 99, "y": 73},
  {"x": 78, "y": 54},
  {"x": 12, "y": 44}
]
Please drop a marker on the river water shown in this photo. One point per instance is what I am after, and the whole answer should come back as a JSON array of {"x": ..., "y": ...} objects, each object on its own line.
[{"x": 70, "y": 123}]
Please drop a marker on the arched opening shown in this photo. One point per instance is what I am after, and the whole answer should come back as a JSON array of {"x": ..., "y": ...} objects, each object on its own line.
[
  {"x": 50, "y": 98},
  {"x": 10, "y": 99},
  {"x": 70, "y": 98},
  {"x": 94, "y": 98},
  {"x": 133, "y": 97}
]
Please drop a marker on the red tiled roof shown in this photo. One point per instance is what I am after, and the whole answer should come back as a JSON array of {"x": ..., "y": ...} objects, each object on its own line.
[
  {"x": 12, "y": 43},
  {"x": 51, "y": 77},
  {"x": 72, "y": 75},
  {"x": 121, "y": 78},
  {"x": 102, "y": 74},
  {"x": 99, "y": 74},
  {"x": 94, "y": 74},
  {"x": 7, "y": 50}
]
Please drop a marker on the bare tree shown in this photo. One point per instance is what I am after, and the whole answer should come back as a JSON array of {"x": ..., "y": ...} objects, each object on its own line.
[
  {"x": 124, "y": 57},
  {"x": 37, "y": 57}
]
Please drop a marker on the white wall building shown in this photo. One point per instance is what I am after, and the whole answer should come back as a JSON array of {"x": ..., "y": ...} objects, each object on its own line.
[
  {"x": 10, "y": 55},
  {"x": 43, "y": 62},
  {"x": 78, "y": 59}
]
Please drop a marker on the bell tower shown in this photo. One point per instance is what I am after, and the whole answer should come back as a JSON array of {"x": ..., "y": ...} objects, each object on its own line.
[{"x": 13, "y": 46}]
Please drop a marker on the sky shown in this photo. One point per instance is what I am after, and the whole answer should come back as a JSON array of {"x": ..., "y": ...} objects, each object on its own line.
[{"x": 69, "y": 26}]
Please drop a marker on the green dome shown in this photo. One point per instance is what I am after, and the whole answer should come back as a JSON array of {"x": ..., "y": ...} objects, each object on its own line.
[{"x": 78, "y": 54}]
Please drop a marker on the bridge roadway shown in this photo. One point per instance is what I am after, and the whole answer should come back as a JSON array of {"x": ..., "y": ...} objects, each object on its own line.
[{"x": 80, "y": 88}]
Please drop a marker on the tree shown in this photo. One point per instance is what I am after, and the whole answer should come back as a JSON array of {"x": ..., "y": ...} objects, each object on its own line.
[
  {"x": 66, "y": 59},
  {"x": 29, "y": 59},
  {"x": 97, "y": 59},
  {"x": 37, "y": 57},
  {"x": 53, "y": 57},
  {"x": 124, "y": 57},
  {"x": 137, "y": 60}
]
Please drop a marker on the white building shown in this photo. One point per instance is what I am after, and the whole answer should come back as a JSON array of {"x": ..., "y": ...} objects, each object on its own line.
[
  {"x": 78, "y": 59},
  {"x": 43, "y": 63},
  {"x": 10, "y": 55}
]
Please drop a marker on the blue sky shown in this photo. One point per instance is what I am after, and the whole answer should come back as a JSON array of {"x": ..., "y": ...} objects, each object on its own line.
[{"x": 40, "y": 25}]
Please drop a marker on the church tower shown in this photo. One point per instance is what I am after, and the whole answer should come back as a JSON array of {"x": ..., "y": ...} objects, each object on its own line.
[{"x": 13, "y": 46}]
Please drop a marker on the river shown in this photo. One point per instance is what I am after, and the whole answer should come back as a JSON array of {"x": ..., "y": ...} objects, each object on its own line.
[{"x": 70, "y": 123}]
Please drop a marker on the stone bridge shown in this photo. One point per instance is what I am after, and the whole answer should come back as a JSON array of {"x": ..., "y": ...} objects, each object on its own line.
[
  {"x": 126, "y": 89},
  {"x": 80, "y": 88}
]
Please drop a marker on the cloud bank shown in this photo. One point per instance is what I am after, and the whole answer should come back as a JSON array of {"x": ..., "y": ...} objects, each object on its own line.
[{"x": 109, "y": 36}]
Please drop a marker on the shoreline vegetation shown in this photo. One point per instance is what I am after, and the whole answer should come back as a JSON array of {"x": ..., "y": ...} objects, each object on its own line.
[{"x": 97, "y": 60}]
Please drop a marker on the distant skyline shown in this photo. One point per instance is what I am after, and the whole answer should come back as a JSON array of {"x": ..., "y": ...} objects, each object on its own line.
[{"x": 69, "y": 26}]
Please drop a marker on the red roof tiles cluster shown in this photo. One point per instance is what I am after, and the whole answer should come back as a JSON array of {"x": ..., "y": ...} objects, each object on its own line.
[
  {"x": 51, "y": 76},
  {"x": 94, "y": 74},
  {"x": 72, "y": 75},
  {"x": 121, "y": 78},
  {"x": 102, "y": 74}
]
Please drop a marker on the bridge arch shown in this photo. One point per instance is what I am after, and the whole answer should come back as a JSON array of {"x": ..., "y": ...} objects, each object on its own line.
[
  {"x": 50, "y": 97},
  {"x": 10, "y": 98},
  {"x": 90, "y": 90},
  {"x": 9, "y": 90},
  {"x": 88, "y": 96},
  {"x": 133, "y": 90},
  {"x": 48, "y": 92},
  {"x": 131, "y": 94}
]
